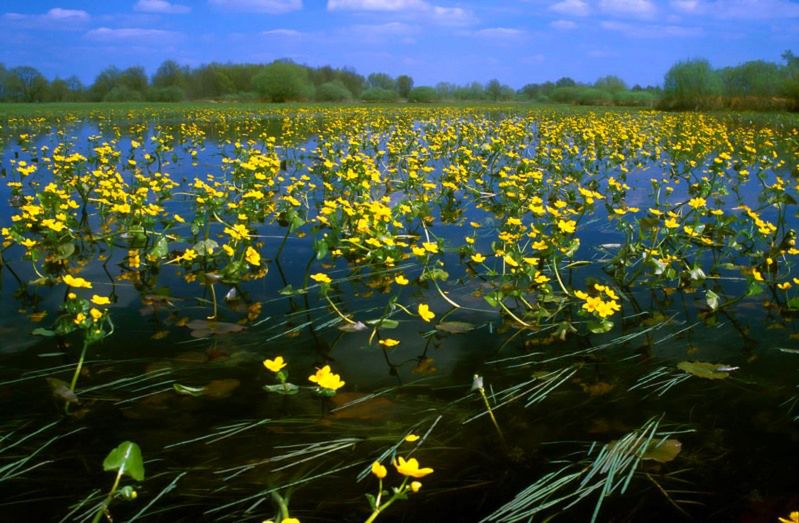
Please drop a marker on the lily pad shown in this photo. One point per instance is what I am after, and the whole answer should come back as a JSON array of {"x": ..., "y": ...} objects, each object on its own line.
[
  {"x": 127, "y": 460},
  {"x": 205, "y": 328},
  {"x": 703, "y": 369},
  {"x": 384, "y": 323},
  {"x": 289, "y": 389},
  {"x": 663, "y": 451},
  {"x": 455, "y": 327}
]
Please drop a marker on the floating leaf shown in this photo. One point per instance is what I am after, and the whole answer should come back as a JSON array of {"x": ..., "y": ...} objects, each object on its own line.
[
  {"x": 43, "y": 332},
  {"x": 287, "y": 389},
  {"x": 62, "y": 391},
  {"x": 712, "y": 300},
  {"x": 127, "y": 460},
  {"x": 384, "y": 323},
  {"x": 352, "y": 327},
  {"x": 599, "y": 327},
  {"x": 663, "y": 451},
  {"x": 220, "y": 389},
  {"x": 188, "y": 391},
  {"x": 455, "y": 327},
  {"x": 204, "y": 328},
  {"x": 703, "y": 369}
]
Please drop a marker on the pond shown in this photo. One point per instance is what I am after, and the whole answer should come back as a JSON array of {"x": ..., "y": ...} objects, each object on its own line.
[{"x": 570, "y": 313}]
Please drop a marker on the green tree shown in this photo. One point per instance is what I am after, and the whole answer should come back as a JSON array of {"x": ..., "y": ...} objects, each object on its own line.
[
  {"x": 423, "y": 94},
  {"x": 334, "y": 91},
  {"x": 691, "y": 84},
  {"x": 282, "y": 82},
  {"x": 404, "y": 85},
  {"x": 169, "y": 74},
  {"x": 612, "y": 84},
  {"x": 26, "y": 84},
  {"x": 381, "y": 81}
]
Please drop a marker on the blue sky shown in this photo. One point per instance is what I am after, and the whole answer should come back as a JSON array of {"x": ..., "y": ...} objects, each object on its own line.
[{"x": 516, "y": 41}]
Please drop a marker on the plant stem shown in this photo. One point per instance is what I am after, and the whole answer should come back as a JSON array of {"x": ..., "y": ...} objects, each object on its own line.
[{"x": 107, "y": 501}]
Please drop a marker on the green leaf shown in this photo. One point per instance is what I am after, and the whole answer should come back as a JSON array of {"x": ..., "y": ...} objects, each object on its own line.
[
  {"x": 127, "y": 460},
  {"x": 384, "y": 323},
  {"x": 188, "y": 391},
  {"x": 43, "y": 332},
  {"x": 205, "y": 247},
  {"x": 754, "y": 289},
  {"x": 663, "y": 451},
  {"x": 65, "y": 250},
  {"x": 793, "y": 304},
  {"x": 712, "y": 300},
  {"x": 600, "y": 327},
  {"x": 160, "y": 249},
  {"x": 434, "y": 274},
  {"x": 703, "y": 369},
  {"x": 371, "y": 499},
  {"x": 455, "y": 327},
  {"x": 289, "y": 389}
]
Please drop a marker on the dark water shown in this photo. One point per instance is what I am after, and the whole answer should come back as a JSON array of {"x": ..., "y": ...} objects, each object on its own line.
[{"x": 218, "y": 458}]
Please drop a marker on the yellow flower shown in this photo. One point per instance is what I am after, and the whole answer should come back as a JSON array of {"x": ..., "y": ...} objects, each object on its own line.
[
  {"x": 77, "y": 282},
  {"x": 410, "y": 438},
  {"x": 79, "y": 318},
  {"x": 430, "y": 247},
  {"x": 290, "y": 520},
  {"x": 389, "y": 342},
  {"x": 568, "y": 226},
  {"x": 418, "y": 251},
  {"x": 379, "y": 470},
  {"x": 178, "y": 218},
  {"x": 95, "y": 314},
  {"x": 100, "y": 300},
  {"x": 275, "y": 365},
  {"x": 416, "y": 486},
  {"x": 696, "y": 203},
  {"x": 228, "y": 250},
  {"x": 756, "y": 274},
  {"x": 188, "y": 255},
  {"x": 671, "y": 223},
  {"x": 327, "y": 379},
  {"x": 411, "y": 468},
  {"x": 401, "y": 279},
  {"x": 425, "y": 312},
  {"x": 252, "y": 256},
  {"x": 793, "y": 518},
  {"x": 478, "y": 258},
  {"x": 321, "y": 277}
]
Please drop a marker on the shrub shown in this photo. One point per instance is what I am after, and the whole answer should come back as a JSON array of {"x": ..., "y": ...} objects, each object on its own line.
[{"x": 423, "y": 95}]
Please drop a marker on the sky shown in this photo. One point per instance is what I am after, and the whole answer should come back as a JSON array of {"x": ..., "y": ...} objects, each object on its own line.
[{"x": 514, "y": 41}]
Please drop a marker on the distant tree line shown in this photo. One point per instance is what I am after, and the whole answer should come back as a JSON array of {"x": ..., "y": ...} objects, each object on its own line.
[
  {"x": 691, "y": 84},
  {"x": 758, "y": 85}
]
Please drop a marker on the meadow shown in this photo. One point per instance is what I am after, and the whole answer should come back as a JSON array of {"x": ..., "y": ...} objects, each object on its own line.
[{"x": 496, "y": 312}]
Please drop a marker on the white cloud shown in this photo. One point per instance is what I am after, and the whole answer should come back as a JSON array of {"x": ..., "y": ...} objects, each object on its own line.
[
  {"x": 571, "y": 8},
  {"x": 422, "y": 10},
  {"x": 499, "y": 33},
  {"x": 259, "y": 6},
  {"x": 393, "y": 31},
  {"x": 105, "y": 34},
  {"x": 160, "y": 6},
  {"x": 652, "y": 30},
  {"x": 563, "y": 25},
  {"x": 375, "y": 5},
  {"x": 282, "y": 33},
  {"x": 640, "y": 8},
  {"x": 57, "y": 13},
  {"x": 686, "y": 6},
  {"x": 56, "y": 19}
]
